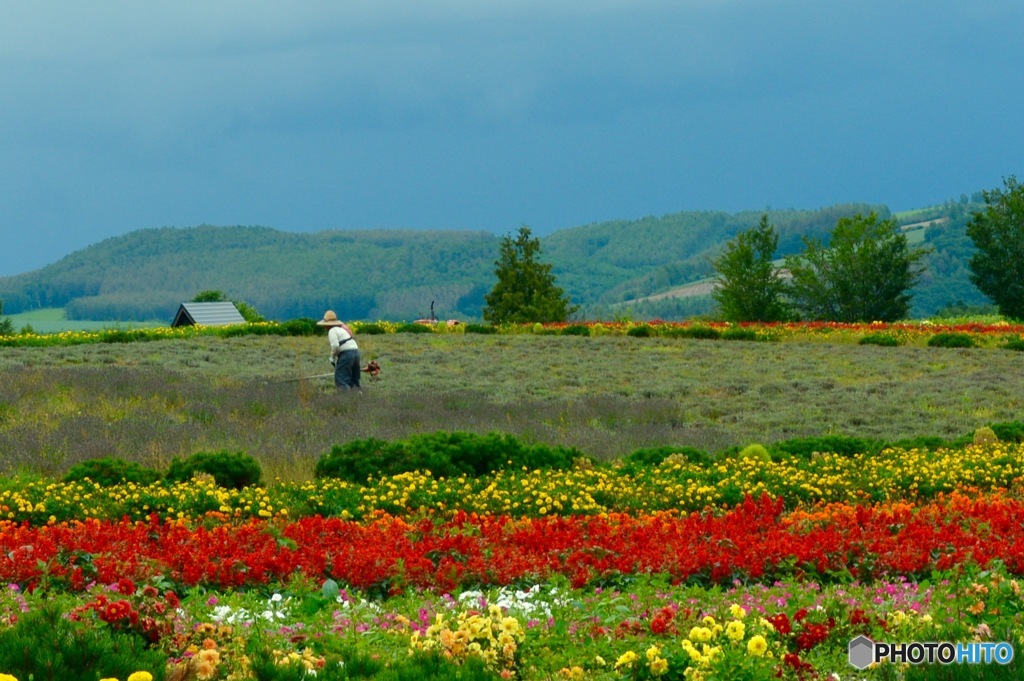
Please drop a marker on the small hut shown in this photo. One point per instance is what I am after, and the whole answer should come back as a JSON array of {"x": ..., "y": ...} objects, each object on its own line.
[{"x": 208, "y": 314}]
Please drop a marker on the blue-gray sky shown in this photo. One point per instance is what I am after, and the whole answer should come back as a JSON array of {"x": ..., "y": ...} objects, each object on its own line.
[{"x": 490, "y": 114}]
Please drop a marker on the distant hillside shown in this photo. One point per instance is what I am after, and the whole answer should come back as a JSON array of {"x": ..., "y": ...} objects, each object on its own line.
[{"x": 638, "y": 266}]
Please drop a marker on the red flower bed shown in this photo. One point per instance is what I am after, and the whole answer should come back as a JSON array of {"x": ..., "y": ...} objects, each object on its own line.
[{"x": 754, "y": 541}]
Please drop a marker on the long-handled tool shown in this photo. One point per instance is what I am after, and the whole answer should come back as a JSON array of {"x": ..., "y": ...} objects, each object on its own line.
[{"x": 371, "y": 368}]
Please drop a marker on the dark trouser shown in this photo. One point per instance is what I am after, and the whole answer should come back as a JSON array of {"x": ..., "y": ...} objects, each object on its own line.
[{"x": 346, "y": 369}]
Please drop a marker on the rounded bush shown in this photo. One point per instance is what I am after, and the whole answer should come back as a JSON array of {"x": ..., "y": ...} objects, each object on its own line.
[
  {"x": 231, "y": 470},
  {"x": 951, "y": 340},
  {"x": 649, "y": 457},
  {"x": 1009, "y": 431},
  {"x": 413, "y": 327},
  {"x": 576, "y": 330},
  {"x": 444, "y": 454},
  {"x": 372, "y": 329},
  {"x": 303, "y": 326},
  {"x": 756, "y": 452},
  {"x": 883, "y": 339},
  {"x": 110, "y": 471},
  {"x": 985, "y": 436},
  {"x": 642, "y": 331}
]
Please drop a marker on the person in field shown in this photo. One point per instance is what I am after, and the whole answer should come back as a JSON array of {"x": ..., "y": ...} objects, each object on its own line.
[{"x": 344, "y": 352}]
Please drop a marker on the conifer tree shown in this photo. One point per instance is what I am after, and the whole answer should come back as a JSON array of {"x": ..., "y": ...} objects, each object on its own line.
[{"x": 526, "y": 290}]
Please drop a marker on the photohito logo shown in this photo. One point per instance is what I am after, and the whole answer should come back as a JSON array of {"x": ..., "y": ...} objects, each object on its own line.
[{"x": 863, "y": 652}]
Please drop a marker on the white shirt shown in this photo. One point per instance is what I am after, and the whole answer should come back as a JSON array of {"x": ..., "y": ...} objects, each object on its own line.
[{"x": 340, "y": 340}]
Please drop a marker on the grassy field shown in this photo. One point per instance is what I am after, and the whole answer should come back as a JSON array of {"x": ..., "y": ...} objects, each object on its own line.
[
  {"x": 53, "y": 320},
  {"x": 151, "y": 401}
]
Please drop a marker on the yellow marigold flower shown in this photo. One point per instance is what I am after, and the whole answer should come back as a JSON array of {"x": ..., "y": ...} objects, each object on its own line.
[
  {"x": 658, "y": 666},
  {"x": 757, "y": 646},
  {"x": 737, "y": 611},
  {"x": 140, "y": 676},
  {"x": 735, "y": 630},
  {"x": 626, "y": 659},
  {"x": 653, "y": 653},
  {"x": 8, "y": 677}
]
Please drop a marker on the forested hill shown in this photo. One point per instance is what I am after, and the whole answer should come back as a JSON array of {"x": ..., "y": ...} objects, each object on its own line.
[{"x": 391, "y": 274}]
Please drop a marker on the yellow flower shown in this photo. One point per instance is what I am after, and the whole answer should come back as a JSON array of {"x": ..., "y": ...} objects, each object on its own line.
[
  {"x": 659, "y": 666},
  {"x": 735, "y": 630},
  {"x": 757, "y": 646},
  {"x": 737, "y": 611},
  {"x": 140, "y": 676},
  {"x": 626, "y": 659}
]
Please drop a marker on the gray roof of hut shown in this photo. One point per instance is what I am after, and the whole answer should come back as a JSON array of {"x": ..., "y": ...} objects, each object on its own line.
[{"x": 208, "y": 314}]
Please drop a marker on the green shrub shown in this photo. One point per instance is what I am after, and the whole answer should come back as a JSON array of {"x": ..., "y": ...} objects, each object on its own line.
[
  {"x": 884, "y": 339},
  {"x": 576, "y": 330},
  {"x": 755, "y": 451},
  {"x": 1009, "y": 431},
  {"x": 303, "y": 326},
  {"x": 951, "y": 340},
  {"x": 651, "y": 457},
  {"x": 928, "y": 442},
  {"x": 740, "y": 333},
  {"x": 413, "y": 327},
  {"x": 231, "y": 470},
  {"x": 481, "y": 328},
  {"x": 44, "y": 644},
  {"x": 371, "y": 329},
  {"x": 700, "y": 331},
  {"x": 110, "y": 471},
  {"x": 833, "y": 444},
  {"x": 1016, "y": 344},
  {"x": 444, "y": 454},
  {"x": 641, "y": 331}
]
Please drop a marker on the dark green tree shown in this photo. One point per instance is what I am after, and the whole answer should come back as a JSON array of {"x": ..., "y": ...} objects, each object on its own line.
[
  {"x": 209, "y": 297},
  {"x": 749, "y": 285},
  {"x": 6, "y": 325},
  {"x": 526, "y": 290},
  {"x": 997, "y": 267},
  {"x": 865, "y": 273}
]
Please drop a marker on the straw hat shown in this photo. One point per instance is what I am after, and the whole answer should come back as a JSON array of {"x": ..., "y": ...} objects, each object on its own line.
[{"x": 330, "y": 319}]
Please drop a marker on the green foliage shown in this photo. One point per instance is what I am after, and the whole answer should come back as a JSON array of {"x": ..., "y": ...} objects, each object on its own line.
[
  {"x": 883, "y": 339},
  {"x": 699, "y": 331},
  {"x": 372, "y": 329},
  {"x": 649, "y": 457},
  {"x": 1016, "y": 344},
  {"x": 998, "y": 235},
  {"x": 804, "y": 447},
  {"x": 413, "y": 327},
  {"x": 864, "y": 274},
  {"x": 1009, "y": 431},
  {"x": 741, "y": 334},
  {"x": 303, "y": 326},
  {"x": 109, "y": 471},
  {"x": 249, "y": 312},
  {"x": 210, "y": 296},
  {"x": 756, "y": 452},
  {"x": 575, "y": 330},
  {"x": 750, "y": 287},
  {"x": 444, "y": 454},
  {"x": 44, "y": 644},
  {"x": 526, "y": 290},
  {"x": 951, "y": 339},
  {"x": 231, "y": 470},
  {"x": 641, "y": 331},
  {"x": 6, "y": 325},
  {"x": 481, "y": 328}
]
